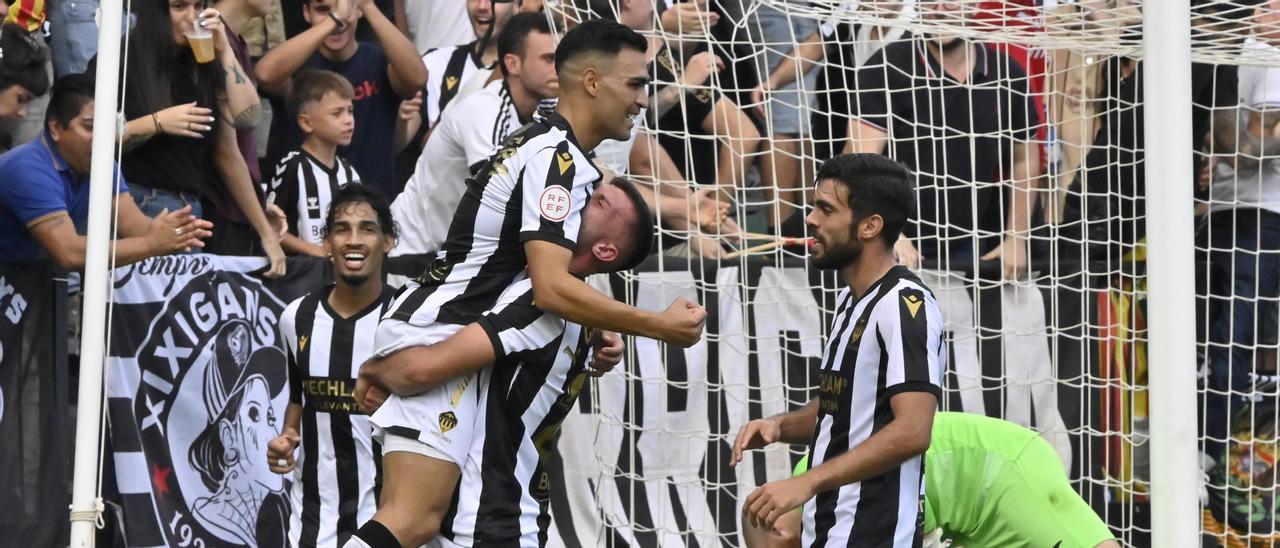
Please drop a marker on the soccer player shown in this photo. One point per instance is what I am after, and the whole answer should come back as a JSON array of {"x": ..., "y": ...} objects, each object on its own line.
[
  {"x": 538, "y": 366},
  {"x": 471, "y": 129},
  {"x": 327, "y": 335},
  {"x": 991, "y": 483},
  {"x": 880, "y": 378},
  {"x": 520, "y": 218}
]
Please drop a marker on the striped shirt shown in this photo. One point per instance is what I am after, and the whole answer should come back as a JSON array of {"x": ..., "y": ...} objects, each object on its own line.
[
  {"x": 533, "y": 188},
  {"x": 468, "y": 132},
  {"x": 503, "y": 496},
  {"x": 447, "y": 69},
  {"x": 304, "y": 187},
  {"x": 333, "y": 490},
  {"x": 887, "y": 342}
]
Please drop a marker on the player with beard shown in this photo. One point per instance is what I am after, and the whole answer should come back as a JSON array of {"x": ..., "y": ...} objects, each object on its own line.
[
  {"x": 327, "y": 335},
  {"x": 880, "y": 377},
  {"x": 961, "y": 116}
]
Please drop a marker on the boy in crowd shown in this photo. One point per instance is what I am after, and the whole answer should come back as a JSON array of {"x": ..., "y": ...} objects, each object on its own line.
[
  {"x": 385, "y": 72},
  {"x": 307, "y": 179}
]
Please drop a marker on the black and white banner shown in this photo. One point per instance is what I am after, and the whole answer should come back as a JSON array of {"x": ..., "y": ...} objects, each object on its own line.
[
  {"x": 35, "y": 486},
  {"x": 196, "y": 388}
]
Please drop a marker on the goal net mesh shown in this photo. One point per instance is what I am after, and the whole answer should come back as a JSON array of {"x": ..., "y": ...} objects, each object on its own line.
[{"x": 1022, "y": 121}]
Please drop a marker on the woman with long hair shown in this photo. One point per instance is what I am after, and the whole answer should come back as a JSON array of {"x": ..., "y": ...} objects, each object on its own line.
[{"x": 182, "y": 116}]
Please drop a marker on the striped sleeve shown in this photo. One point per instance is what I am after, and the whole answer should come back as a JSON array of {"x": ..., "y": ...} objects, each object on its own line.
[
  {"x": 910, "y": 331},
  {"x": 546, "y": 184},
  {"x": 289, "y": 337}
]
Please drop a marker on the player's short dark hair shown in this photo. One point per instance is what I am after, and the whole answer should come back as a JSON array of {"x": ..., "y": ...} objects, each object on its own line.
[
  {"x": 598, "y": 36},
  {"x": 361, "y": 194},
  {"x": 641, "y": 237},
  {"x": 24, "y": 59},
  {"x": 70, "y": 94},
  {"x": 513, "y": 37},
  {"x": 310, "y": 86},
  {"x": 877, "y": 186}
]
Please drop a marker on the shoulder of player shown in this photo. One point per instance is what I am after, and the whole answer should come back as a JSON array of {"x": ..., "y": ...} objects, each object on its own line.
[
  {"x": 289, "y": 317},
  {"x": 438, "y": 57},
  {"x": 904, "y": 293}
]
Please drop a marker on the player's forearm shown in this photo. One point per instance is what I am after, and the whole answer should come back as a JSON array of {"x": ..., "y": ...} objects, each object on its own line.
[
  {"x": 408, "y": 74},
  {"x": 575, "y": 301},
  {"x": 797, "y": 426},
  {"x": 882, "y": 452},
  {"x": 417, "y": 369},
  {"x": 292, "y": 418}
]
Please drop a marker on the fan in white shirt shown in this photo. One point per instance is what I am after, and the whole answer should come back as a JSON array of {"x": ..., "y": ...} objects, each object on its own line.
[{"x": 470, "y": 130}]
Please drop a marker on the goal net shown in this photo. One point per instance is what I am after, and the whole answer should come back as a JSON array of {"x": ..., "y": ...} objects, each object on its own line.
[{"x": 1022, "y": 121}]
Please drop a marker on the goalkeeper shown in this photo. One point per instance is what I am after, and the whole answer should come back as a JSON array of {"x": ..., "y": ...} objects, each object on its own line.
[{"x": 988, "y": 482}]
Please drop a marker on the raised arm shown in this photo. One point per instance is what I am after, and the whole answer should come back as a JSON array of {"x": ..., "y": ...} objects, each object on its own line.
[
  {"x": 275, "y": 69},
  {"x": 560, "y": 293},
  {"x": 404, "y": 64},
  {"x": 242, "y": 96}
]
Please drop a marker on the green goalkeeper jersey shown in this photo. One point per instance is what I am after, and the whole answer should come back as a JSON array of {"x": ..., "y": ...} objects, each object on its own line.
[{"x": 990, "y": 482}]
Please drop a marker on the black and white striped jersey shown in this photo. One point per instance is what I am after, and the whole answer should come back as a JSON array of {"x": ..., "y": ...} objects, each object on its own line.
[
  {"x": 447, "y": 69},
  {"x": 533, "y": 188},
  {"x": 304, "y": 187},
  {"x": 467, "y": 133},
  {"x": 338, "y": 464},
  {"x": 887, "y": 342},
  {"x": 503, "y": 496}
]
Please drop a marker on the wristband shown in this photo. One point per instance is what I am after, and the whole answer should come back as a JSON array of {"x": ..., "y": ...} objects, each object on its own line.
[{"x": 156, "y": 121}]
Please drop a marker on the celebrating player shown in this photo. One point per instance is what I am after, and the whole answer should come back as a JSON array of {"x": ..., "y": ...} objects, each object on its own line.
[
  {"x": 328, "y": 334},
  {"x": 880, "y": 378},
  {"x": 520, "y": 218}
]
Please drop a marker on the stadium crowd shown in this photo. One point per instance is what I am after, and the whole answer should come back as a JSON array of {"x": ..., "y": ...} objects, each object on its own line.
[{"x": 243, "y": 120}]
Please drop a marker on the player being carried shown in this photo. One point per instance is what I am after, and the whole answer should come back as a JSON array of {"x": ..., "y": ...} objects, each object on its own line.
[{"x": 518, "y": 222}]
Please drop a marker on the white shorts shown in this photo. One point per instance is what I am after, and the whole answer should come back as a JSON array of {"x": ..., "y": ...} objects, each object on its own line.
[{"x": 446, "y": 417}]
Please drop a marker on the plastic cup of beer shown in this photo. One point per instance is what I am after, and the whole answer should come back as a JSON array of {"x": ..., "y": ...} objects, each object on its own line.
[{"x": 201, "y": 40}]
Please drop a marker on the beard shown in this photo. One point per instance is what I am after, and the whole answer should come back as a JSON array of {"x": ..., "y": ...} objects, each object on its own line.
[
  {"x": 354, "y": 279},
  {"x": 837, "y": 257}
]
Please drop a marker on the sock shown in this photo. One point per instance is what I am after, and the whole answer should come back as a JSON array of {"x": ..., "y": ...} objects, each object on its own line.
[{"x": 372, "y": 535}]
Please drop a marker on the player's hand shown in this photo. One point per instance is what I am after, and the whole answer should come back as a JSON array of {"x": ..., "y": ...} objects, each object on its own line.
[
  {"x": 906, "y": 253},
  {"x": 754, "y": 435},
  {"x": 368, "y": 395},
  {"x": 1012, "y": 253},
  {"x": 700, "y": 67},
  {"x": 773, "y": 500},
  {"x": 1205, "y": 179},
  {"x": 280, "y": 450},
  {"x": 682, "y": 323},
  {"x": 607, "y": 352}
]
